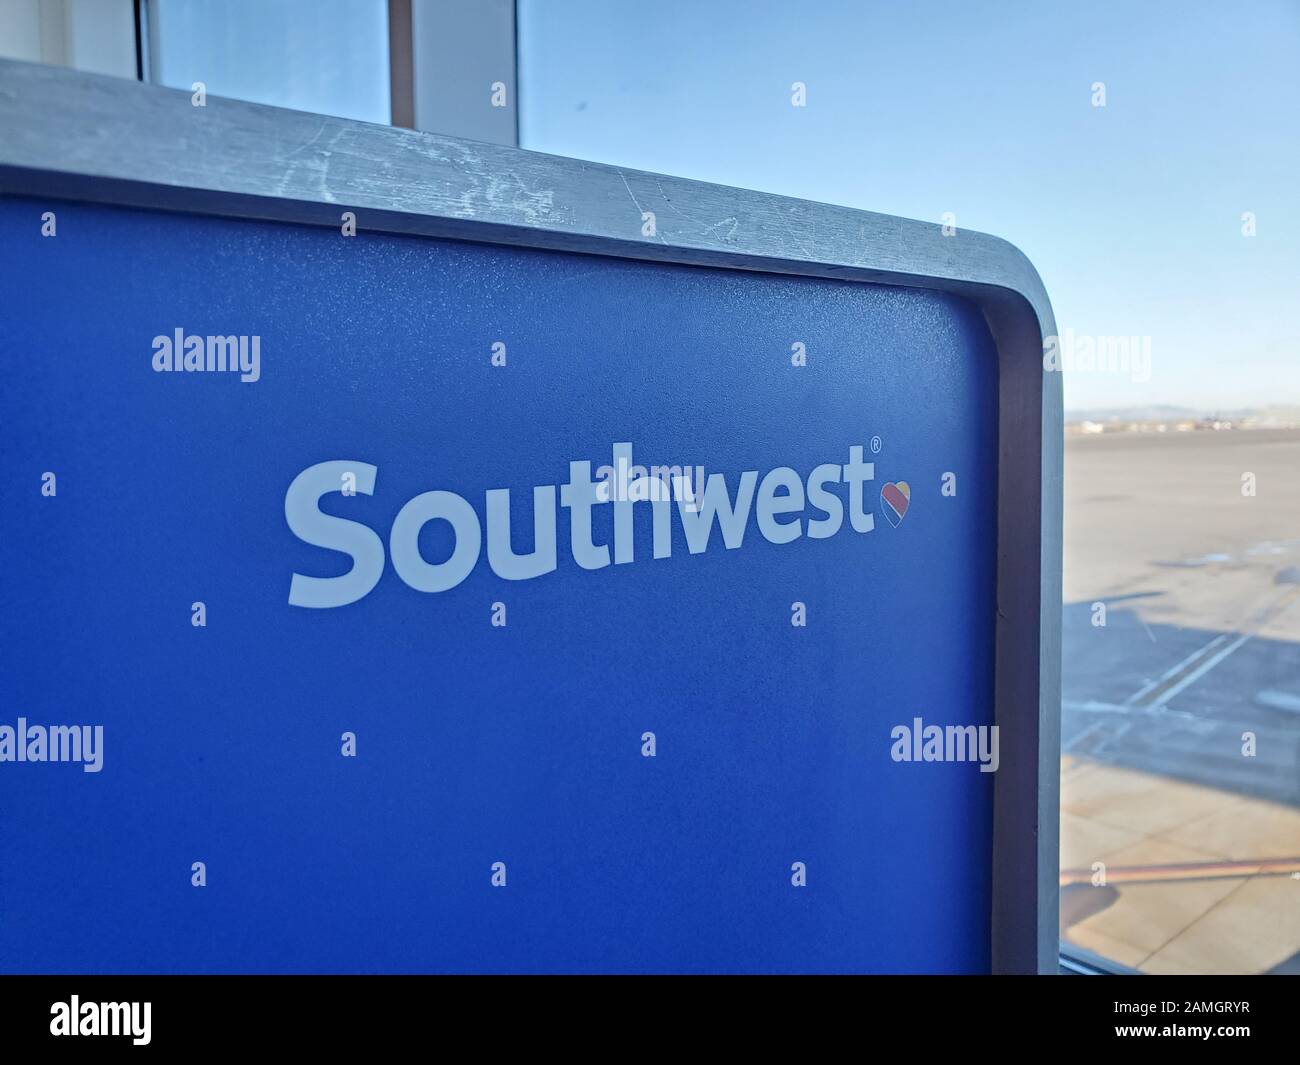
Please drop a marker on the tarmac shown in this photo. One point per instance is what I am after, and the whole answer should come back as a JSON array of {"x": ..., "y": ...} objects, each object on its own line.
[{"x": 1181, "y": 700}]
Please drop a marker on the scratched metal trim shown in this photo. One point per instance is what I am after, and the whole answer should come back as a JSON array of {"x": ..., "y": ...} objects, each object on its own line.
[{"x": 71, "y": 135}]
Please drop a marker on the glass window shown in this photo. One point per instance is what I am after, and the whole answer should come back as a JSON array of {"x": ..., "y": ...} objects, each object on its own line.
[
  {"x": 1145, "y": 158},
  {"x": 328, "y": 56}
]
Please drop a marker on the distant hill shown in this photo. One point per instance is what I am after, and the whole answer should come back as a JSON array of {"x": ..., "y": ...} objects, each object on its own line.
[
  {"x": 1258, "y": 417},
  {"x": 1158, "y": 413}
]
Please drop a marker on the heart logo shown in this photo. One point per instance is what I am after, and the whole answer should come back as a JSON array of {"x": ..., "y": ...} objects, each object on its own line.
[{"x": 894, "y": 500}]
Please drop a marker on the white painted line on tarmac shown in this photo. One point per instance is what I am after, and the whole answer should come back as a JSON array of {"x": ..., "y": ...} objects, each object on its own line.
[
  {"x": 1199, "y": 672},
  {"x": 1175, "y": 670},
  {"x": 1279, "y": 700}
]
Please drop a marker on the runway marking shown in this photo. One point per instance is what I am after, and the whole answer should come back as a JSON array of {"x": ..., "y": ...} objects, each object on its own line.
[
  {"x": 1279, "y": 700},
  {"x": 1156, "y": 874},
  {"x": 1200, "y": 671},
  {"x": 1181, "y": 676},
  {"x": 1173, "y": 671},
  {"x": 1095, "y": 706}
]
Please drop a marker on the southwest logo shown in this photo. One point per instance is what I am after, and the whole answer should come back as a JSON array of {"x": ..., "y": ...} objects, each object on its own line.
[
  {"x": 894, "y": 500},
  {"x": 784, "y": 503}
]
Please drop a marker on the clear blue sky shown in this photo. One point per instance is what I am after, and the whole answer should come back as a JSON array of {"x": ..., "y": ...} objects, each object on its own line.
[{"x": 1132, "y": 212}]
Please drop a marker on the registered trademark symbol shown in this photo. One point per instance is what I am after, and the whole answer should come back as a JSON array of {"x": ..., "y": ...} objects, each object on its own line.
[{"x": 875, "y": 445}]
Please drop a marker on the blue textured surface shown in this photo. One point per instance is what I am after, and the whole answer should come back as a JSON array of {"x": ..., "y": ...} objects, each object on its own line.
[{"x": 478, "y": 744}]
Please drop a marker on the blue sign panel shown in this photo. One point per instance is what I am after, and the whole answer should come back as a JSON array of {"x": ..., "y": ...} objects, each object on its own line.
[{"x": 382, "y": 603}]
